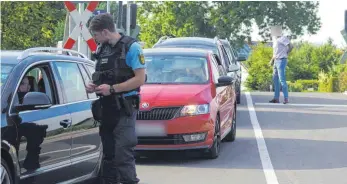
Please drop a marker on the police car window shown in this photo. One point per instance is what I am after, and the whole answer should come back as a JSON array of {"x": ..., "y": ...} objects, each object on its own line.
[
  {"x": 86, "y": 79},
  {"x": 91, "y": 69},
  {"x": 72, "y": 80},
  {"x": 35, "y": 80}
]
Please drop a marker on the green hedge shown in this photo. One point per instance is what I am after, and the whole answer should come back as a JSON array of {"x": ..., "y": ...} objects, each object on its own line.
[
  {"x": 329, "y": 85},
  {"x": 295, "y": 87},
  {"x": 343, "y": 81},
  {"x": 303, "y": 85}
]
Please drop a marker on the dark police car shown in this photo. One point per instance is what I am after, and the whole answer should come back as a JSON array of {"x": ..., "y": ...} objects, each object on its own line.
[
  {"x": 216, "y": 45},
  {"x": 48, "y": 134}
]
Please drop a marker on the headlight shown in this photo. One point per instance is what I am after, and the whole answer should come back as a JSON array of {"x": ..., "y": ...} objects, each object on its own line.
[{"x": 191, "y": 110}]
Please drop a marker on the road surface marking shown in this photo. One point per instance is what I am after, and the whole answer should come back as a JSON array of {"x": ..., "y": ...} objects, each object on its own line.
[
  {"x": 301, "y": 105},
  {"x": 268, "y": 169}
]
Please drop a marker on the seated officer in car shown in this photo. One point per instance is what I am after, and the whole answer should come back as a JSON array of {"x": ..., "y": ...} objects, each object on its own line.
[
  {"x": 119, "y": 73},
  {"x": 23, "y": 89},
  {"x": 33, "y": 133}
]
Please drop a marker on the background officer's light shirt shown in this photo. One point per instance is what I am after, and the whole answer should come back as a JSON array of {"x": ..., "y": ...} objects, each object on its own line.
[
  {"x": 281, "y": 47},
  {"x": 133, "y": 60}
]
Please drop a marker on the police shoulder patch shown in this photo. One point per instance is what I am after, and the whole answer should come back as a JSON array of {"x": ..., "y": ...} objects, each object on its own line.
[{"x": 142, "y": 59}]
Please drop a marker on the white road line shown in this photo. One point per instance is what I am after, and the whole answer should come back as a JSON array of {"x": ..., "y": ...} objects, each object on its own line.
[
  {"x": 301, "y": 105},
  {"x": 268, "y": 169}
]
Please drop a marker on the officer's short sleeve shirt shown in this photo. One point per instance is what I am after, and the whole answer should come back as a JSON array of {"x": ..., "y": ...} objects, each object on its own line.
[{"x": 135, "y": 60}]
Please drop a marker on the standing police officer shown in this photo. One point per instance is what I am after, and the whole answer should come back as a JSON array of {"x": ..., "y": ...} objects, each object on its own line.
[{"x": 119, "y": 73}]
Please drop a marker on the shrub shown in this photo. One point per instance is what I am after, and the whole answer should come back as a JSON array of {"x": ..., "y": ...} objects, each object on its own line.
[
  {"x": 259, "y": 72},
  {"x": 295, "y": 87},
  {"x": 303, "y": 85},
  {"x": 328, "y": 83},
  {"x": 305, "y": 63},
  {"x": 307, "y": 84},
  {"x": 343, "y": 81}
]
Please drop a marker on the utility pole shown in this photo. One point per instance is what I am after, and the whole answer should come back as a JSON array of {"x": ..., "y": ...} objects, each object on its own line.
[
  {"x": 120, "y": 13},
  {"x": 128, "y": 18},
  {"x": 344, "y": 35},
  {"x": 108, "y": 7},
  {"x": 82, "y": 45}
]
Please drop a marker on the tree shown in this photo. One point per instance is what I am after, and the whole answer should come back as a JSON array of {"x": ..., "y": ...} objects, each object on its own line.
[
  {"x": 28, "y": 24},
  {"x": 181, "y": 18},
  {"x": 226, "y": 19},
  {"x": 235, "y": 18}
]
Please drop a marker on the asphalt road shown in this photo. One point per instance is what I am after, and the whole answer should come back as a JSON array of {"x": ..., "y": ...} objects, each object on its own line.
[{"x": 302, "y": 142}]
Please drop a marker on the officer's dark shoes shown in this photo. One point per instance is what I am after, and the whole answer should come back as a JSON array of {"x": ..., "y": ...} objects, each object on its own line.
[
  {"x": 108, "y": 181},
  {"x": 31, "y": 165},
  {"x": 109, "y": 174}
]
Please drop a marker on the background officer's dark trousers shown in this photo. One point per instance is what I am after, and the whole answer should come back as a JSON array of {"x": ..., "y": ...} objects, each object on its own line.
[{"x": 118, "y": 137}]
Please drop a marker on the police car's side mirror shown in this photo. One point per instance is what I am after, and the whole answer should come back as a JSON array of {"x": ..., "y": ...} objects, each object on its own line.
[{"x": 34, "y": 101}]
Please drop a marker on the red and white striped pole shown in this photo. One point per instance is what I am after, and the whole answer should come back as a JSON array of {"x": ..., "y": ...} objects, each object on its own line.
[{"x": 81, "y": 21}]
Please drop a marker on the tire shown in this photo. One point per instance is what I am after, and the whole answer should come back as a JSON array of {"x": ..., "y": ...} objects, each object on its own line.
[
  {"x": 232, "y": 134},
  {"x": 238, "y": 96},
  {"x": 7, "y": 178},
  {"x": 214, "y": 151}
]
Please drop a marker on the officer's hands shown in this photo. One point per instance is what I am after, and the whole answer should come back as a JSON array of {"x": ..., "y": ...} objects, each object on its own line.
[
  {"x": 103, "y": 89},
  {"x": 90, "y": 88}
]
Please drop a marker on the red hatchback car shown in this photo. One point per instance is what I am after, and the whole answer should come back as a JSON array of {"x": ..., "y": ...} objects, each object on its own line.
[{"x": 188, "y": 102}]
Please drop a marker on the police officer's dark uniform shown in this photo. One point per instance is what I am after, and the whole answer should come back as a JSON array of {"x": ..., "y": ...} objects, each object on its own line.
[{"x": 118, "y": 113}]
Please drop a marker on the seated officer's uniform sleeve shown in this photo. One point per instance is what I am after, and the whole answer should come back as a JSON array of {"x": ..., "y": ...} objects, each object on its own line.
[{"x": 135, "y": 60}]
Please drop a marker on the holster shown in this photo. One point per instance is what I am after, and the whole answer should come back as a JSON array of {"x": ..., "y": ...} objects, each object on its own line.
[
  {"x": 130, "y": 103},
  {"x": 97, "y": 110},
  {"x": 127, "y": 106}
]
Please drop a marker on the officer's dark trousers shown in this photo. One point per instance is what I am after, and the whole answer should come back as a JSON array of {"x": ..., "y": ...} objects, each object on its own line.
[{"x": 119, "y": 138}]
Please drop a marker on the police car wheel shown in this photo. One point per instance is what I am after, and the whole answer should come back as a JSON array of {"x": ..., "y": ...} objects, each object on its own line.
[
  {"x": 6, "y": 177},
  {"x": 213, "y": 152}
]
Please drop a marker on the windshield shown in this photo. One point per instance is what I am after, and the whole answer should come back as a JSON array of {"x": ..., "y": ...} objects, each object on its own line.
[
  {"x": 5, "y": 71},
  {"x": 176, "y": 69}
]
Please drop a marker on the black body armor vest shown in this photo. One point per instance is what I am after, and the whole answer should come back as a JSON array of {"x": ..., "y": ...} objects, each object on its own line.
[{"x": 111, "y": 67}]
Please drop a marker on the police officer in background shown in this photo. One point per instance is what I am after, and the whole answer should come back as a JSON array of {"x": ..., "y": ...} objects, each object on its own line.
[{"x": 119, "y": 73}]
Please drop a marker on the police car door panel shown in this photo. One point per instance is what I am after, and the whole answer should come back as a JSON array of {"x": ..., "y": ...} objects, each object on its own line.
[
  {"x": 45, "y": 138},
  {"x": 55, "y": 149},
  {"x": 85, "y": 137},
  {"x": 86, "y": 142}
]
